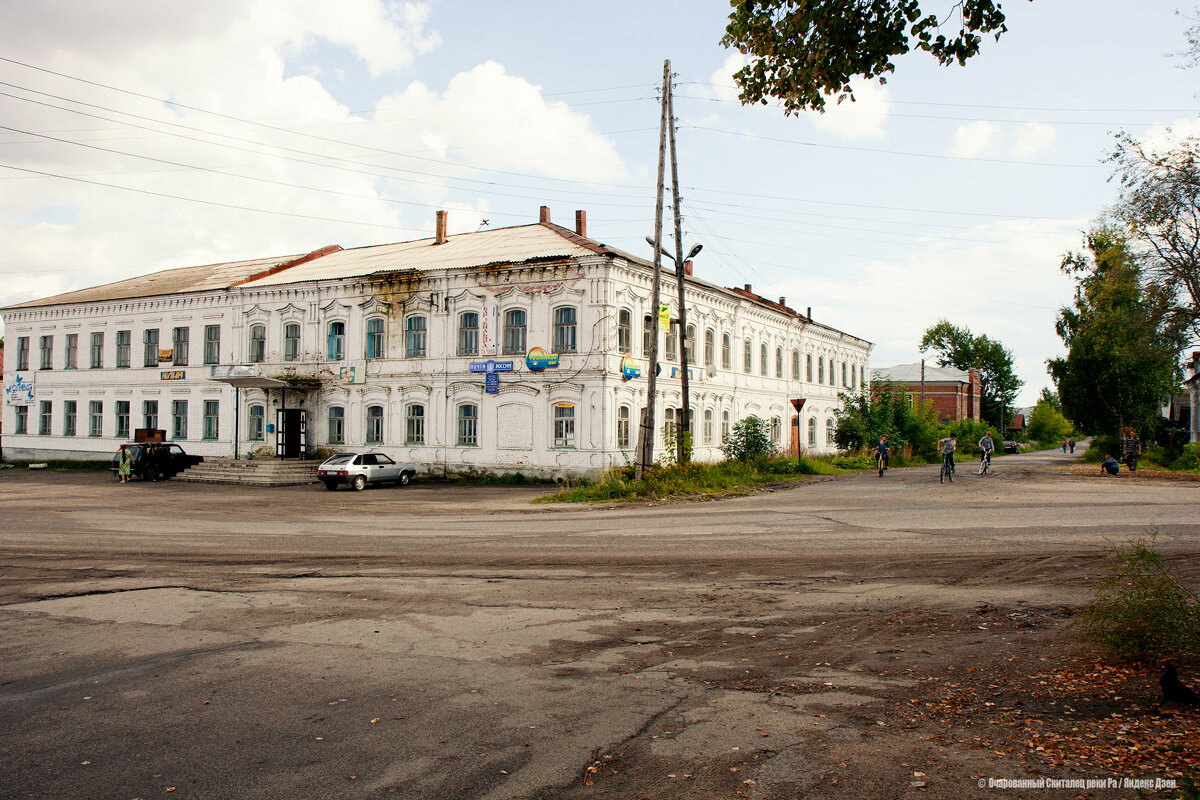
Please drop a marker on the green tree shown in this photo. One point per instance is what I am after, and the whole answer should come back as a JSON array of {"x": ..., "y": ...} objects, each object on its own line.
[
  {"x": 1050, "y": 398},
  {"x": 1047, "y": 424},
  {"x": 862, "y": 420},
  {"x": 1160, "y": 208},
  {"x": 804, "y": 50},
  {"x": 750, "y": 439},
  {"x": 998, "y": 384},
  {"x": 1121, "y": 337}
]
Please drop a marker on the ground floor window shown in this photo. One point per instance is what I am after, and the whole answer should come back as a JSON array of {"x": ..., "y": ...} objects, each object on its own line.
[
  {"x": 830, "y": 428},
  {"x": 468, "y": 425},
  {"x": 96, "y": 418},
  {"x": 337, "y": 425},
  {"x": 623, "y": 427},
  {"x": 812, "y": 432},
  {"x": 45, "y": 417},
  {"x": 150, "y": 414},
  {"x": 414, "y": 425},
  {"x": 724, "y": 425},
  {"x": 374, "y": 424},
  {"x": 564, "y": 425},
  {"x": 212, "y": 410},
  {"x": 70, "y": 409},
  {"x": 22, "y": 424},
  {"x": 257, "y": 423},
  {"x": 776, "y": 430},
  {"x": 708, "y": 425},
  {"x": 179, "y": 419},
  {"x": 122, "y": 415}
]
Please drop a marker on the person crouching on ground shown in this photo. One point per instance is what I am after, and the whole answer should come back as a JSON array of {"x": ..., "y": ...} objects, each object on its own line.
[{"x": 1110, "y": 465}]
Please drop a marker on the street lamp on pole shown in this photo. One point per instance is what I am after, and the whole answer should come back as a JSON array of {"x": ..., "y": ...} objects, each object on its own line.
[{"x": 685, "y": 422}]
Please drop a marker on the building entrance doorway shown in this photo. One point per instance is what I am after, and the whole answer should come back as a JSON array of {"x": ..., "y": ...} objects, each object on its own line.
[{"x": 291, "y": 433}]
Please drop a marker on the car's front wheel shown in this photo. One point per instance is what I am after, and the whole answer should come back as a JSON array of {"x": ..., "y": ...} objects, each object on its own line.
[{"x": 359, "y": 483}]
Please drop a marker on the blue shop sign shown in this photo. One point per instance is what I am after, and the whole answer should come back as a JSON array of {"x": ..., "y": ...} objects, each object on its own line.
[{"x": 490, "y": 366}]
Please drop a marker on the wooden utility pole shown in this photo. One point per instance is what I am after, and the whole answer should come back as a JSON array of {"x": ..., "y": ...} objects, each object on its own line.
[
  {"x": 646, "y": 429},
  {"x": 683, "y": 438}
]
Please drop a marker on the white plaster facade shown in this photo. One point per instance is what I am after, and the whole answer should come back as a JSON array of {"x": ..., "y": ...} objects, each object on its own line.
[{"x": 418, "y": 399}]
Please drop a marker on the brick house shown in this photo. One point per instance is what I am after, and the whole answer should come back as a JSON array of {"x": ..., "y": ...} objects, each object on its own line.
[{"x": 955, "y": 393}]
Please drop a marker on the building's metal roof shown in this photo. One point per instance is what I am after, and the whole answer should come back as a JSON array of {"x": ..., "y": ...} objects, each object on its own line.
[
  {"x": 171, "y": 281},
  {"x": 911, "y": 373},
  {"x": 526, "y": 243}
]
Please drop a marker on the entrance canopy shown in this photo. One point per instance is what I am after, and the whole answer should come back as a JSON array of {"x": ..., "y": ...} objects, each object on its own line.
[{"x": 245, "y": 376}]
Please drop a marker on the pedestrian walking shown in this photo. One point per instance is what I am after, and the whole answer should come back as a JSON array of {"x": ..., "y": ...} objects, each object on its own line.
[
  {"x": 124, "y": 463},
  {"x": 1131, "y": 448},
  {"x": 1064, "y": 445},
  {"x": 1071, "y": 444}
]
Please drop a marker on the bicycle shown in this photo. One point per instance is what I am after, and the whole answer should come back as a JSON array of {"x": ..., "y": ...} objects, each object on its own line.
[
  {"x": 985, "y": 463},
  {"x": 947, "y": 469},
  {"x": 881, "y": 463}
]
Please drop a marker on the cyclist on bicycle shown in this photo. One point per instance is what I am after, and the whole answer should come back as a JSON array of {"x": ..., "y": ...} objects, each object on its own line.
[
  {"x": 881, "y": 450},
  {"x": 948, "y": 446},
  {"x": 986, "y": 446}
]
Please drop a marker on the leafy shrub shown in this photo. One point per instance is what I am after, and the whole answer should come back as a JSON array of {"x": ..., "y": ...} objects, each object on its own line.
[
  {"x": 1189, "y": 461},
  {"x": 862, "y": 420},
  {"x": 1141, "y": 609},
  {"x": 969, "y": 433},
  {"x": 749, "y": 439},
  {"x": 1047, "y": 424}
]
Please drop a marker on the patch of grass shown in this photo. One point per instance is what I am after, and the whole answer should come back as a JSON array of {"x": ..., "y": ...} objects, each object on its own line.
[
  {"x": 62, "y": 464},
  {"x": 722, "y": 479},
  {"x": 1142, "y": 610}
]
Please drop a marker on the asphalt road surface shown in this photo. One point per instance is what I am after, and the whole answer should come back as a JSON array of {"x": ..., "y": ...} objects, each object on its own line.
[{"x": 440, "y": 641}]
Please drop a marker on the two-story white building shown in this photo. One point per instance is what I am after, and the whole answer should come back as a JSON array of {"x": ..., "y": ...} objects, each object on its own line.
[{"x": 514, "y": 349}]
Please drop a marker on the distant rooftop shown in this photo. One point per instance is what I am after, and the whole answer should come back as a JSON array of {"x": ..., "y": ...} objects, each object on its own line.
[{"x": 911, "y": 373}]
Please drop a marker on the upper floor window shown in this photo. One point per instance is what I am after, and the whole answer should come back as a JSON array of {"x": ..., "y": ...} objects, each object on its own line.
[
  {"x": 710, "y": 347},
  {"x": 179, "y": 346},
  {"x": 150, "y": 347},
  {"x": 844, "y": 381},
  {"x": 414, "y": 336},
  {"x": 821, "y": 369},
  {"x": 564, "y": 329},
  {"x": 97, "y": 350},
  {"x": 625, "y": 331},
  {"x": 514, "y": 330},
  {"x": 291, "y": 341},
  {"x": 647, "y": 335},
  {"x": 862, "y": 375},
  {"x": 46, "y": 345},
  {"x": 258, "y": 344},
  {"x": 71, "y": 361},
  {"x": 672, "y": 341},
  {"x": 762, "y": 358},
  {"x": 337, "y": 341},
  {"x": 747, "y": 356},
  {"x": 808, "y": 367},
  {"x": 795, "y": 365},
  {"x": 468, "y": 333},
  {"x": 22, "y": 352},
  {"x": 374, "y": 338},
  {"x": 689, "y": 344},
  {"x": 726, "y": 351},
  {"x": 124, "y": 340},
  {"x": 778, "y": 362},
  {"x": 212, "y": 344}
]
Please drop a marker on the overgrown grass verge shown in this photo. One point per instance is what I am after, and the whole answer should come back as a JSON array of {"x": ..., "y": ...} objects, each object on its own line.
[
  {"x": 1142, "y": 610},
  {"x": 693, "y": 480}
]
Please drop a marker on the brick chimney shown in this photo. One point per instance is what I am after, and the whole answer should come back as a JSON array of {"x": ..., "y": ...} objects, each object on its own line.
[
  {"x": 809, "y": 314},
  {"x": 439, "y": 231},
  {"x": 783, "y": 302},
  {"x": 544, "y": 214},
  {"x": 580, "y": 222},
  {"x": 748, "y": 289}
]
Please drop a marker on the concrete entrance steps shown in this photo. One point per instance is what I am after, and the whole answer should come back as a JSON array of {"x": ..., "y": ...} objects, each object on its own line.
[{"x": 259, "y": 472}]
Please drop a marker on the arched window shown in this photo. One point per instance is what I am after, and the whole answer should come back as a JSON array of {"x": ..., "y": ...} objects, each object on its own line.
[
  {"x": 795, "y": 365},
  {"x": 414, "y": 336},
  {"x": 830, "y": 429},
  {"x": 623, "y": 427},
  {"x": 812, "y": 431},
  {"x": 564, "y": 329},
  {"x": 468, "y": 425},
  {"x": 724, "y": 425},
  {"x": 845, "y": 382},
  {"x": 514, "y": 331},
  {"x": 374, "y": 425},
  {"x": 337, "y": 425},
  {"x": 647, "y": 332},
  {"x": 414, "y": 424},
  {"x": 708, "y": 425},
  {"x": 258, "y": 344},
  {"x": 625, "y": 331},
  {"x": 778, "y": 362},
  {"x": 762, "y": 359},
  {"x": 710, "y": 347},
  {"x": 337, "y": 341},
  {"x": 808, "y": 367},
  {"x": 726, "y": 351},
  {"x": 254, "y": 423},
  {"x": 689, "y": 344},
  {"x": 374, "y": 338},
  {"x": 468, "y": 333},
  {"x": 672, "y": 341},
  {"x": 747, "y": 356},
  {"x": 291, "y": 341},
  {"x": 821, "y": 369},
  {"x": 776, "y": 430}
]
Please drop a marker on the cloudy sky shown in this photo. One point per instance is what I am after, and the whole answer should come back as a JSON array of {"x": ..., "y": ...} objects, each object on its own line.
[{"x": 148, "y": 134}]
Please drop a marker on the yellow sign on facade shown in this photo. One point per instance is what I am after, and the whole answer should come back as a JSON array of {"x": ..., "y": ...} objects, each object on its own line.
[
  {"x": 664, "y": 318},
  {"x": 166, "y": 355}
]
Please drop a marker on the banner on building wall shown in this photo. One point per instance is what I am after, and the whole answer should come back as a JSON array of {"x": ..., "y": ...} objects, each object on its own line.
[
  {"x": 353, "y": 373},
  {"x": 166, "y": 356},
  {"x": 487, "y": 331},
  {"x": 630, "y": 369},
  {"x": 538, "y": 359},
  {"x": 18, "y": 390}
]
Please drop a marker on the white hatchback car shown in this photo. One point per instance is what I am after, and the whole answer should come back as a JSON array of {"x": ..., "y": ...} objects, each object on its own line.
[{"x": 359, "y": 469}]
